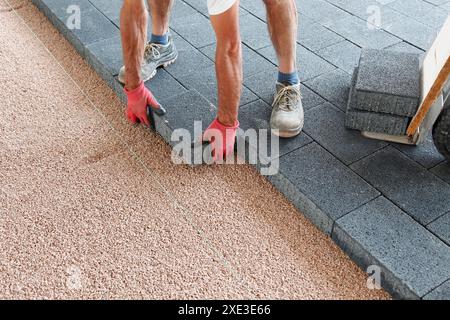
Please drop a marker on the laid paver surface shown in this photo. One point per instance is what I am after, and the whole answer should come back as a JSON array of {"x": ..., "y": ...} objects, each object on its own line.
[
  {"x": 329, "y": 173},
  {"x": 92, "y": 207}
]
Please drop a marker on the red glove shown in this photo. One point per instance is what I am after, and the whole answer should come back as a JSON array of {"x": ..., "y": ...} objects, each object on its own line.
[
  {"x": 221, "y": 138},
  {"x": 138, "y": 100}
]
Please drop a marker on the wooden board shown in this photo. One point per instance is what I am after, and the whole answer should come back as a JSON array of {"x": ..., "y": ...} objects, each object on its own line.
[{"x": 434, "y": 73}]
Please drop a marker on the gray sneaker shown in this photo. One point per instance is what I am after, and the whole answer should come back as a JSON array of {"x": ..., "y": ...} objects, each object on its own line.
[
  {"x": 287, "y": 111},
  {"x": 155, "y": 56}
]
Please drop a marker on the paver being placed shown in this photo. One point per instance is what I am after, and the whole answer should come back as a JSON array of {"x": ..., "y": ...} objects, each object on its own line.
[{"x": 387, "y": 82}]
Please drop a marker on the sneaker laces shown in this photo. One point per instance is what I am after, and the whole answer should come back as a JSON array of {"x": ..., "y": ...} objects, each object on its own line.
[
  {"x": 152, "y": 51},
  {"x": 286, "y": 99}
]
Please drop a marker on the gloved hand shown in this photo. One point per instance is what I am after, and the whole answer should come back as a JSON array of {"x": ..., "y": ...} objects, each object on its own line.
[
  {"x": 221, "y": 138},
  {"x": 138, "y": 100}
]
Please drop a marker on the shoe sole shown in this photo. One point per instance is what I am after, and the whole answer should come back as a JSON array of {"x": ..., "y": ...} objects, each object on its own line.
[
  {"x": 287, "y": 134},
  {"x": 162, "y": 65}
]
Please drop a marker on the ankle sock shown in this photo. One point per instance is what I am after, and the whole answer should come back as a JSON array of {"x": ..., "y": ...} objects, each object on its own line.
[
  {"x": 288, "y": 78},
  {"x": 164, "y": 39}
]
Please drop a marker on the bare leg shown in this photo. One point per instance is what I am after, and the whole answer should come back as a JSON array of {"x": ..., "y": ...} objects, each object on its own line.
[
  {"x": 228, "y": 64},
  {"x": 133, "y": 28},
  {"x": 160, "y": 12},
  {"x": 282, "y": 20}
]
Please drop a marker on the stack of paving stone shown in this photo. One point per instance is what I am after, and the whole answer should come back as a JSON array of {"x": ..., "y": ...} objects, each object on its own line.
[{"x": 385, "y": 92}]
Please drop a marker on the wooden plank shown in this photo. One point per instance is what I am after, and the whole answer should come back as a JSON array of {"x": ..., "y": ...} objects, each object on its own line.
[{"x": 434, "y": 73}]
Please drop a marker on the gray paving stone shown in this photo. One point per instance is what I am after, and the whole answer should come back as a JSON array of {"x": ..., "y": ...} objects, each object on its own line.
[
  {"x": 362, "y": 33},
  {"x": 254, "y": 32},
  {"x": 204, "y": 81},
  {"x": 190, "y": 59},
  {"x": 442, "y": 171},
  {"x": 105, "y": 57},
  {"x": 406, "y": 183},
  {"x": 110, "y": 8},
  {"x": 164, "y": 86},
  {"x": 263, "y": 85},
  {"x": 412, "y": 260},
  {"x": 426, "y": 154},
  {"x": 320, "y": 11},
  {"x": 199, "y": 5},
  {"x": 344, "y": 55},
  {"x": 325, "y": 124},
  {"x": 256, "y": 8},
  {"x": 412, "y": 31},
  {"x": 94, "y": 25},
  {"x": 329, "y": 184},
  {"x": 253, "y": 62},
  {"x": 405, "y": 47},
  {"x": 421, "y": 11},
  {"x": 309, "y": 64},
  {"x": 195, "y": 28},
  {"x": 333, "y": 86},
  {"x": 256, "y": 115},
  {"x": 314, "y": 36},
  {"x": 440, "y": 293},
  {"x": 387, "y": 82},
  {"x": 441, "y": 228}
]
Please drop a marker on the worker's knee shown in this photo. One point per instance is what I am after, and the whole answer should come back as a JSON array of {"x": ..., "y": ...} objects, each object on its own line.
[{"x": 230, "y": 46}]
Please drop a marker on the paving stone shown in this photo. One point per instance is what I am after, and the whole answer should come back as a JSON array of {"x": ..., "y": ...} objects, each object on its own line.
[
  {"x": 314, "y": 36},
  {"x": 362, "y": 33},
  {"x": 190, "y": 59},
  {"x": 309, "y": 64},
  {"x": 441, "y": 228},
  {"x": 254, "y": 32},
  {"x": 325, "y": 124},
  {"x": 195, "y": 28},
  {"x": 412, "y": 260},
  {"x": 426, "y": 154},
  {"x": 253, "y": 62},
  {"x": 440, "y": 293},
  {"x": 256, "y": 115},
  {"x": 263, "y": 85},
  {"x": 421, "y": 11},
  {"x": 442, "y": 171},
  {"x": 105, "y": 57},
  {"x": 412, "y": 31},
  {"x": 387, "y": 82},
  {"x": 110, "y": 8},
  {"x": 320, "y": 11},
  {"x": 94, "y": 25},
  {"x": 256, "y": 8},
  {"x": 204, "y": 81},
  {"x": 406, "y": 183},
  {"x": 333, "y": 86},
  {"x": 164, "y": 86},
  {"x": 329, "y": 184},
  {"x": 199, "y": 5},
  {"x": 344, "y": 55},
  {"x": 405, "y": 47}
]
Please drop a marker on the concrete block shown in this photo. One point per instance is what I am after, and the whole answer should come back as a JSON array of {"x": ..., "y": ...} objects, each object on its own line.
[
  {"x": 441, "y": 228},
  {"x": 411, "y": 259},
  {"x": 105, "y": 57},
  {"x": 325, "y": 124},
  {"x": 164, "y": 86},
  {"x": 387, "y": 82},
  {"x": 443, "y": 171},
  {"x": 406, "y": 183},
  {"x": 440, "y": 293},
  {"x": 313, "y": 36},
  {"x": 344, "y": 55}
]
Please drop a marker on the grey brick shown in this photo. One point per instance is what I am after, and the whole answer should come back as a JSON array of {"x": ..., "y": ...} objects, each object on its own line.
[
  {"x": 413, "y": 261},
  {"x": 164, "y": 86},
  {"x": 440, "y": 293},
  {"x": 442, "y": 171},
  {"x": 421, "y": 11},
  {"x": 263, "y": 84},
  {"x": 329, "y": 184},
  {"x": 405, "y": 47},
  {"x": 426, "y": 154},
  {"x": 362, "y": 33},
  {"x": 256, "y": 8},
  {"x": 344, "y": 55},
  {"x": 315, "y": 37},
  {"x": 320, "y": 11},
  {"x": 94, "y": 25},
  {"x": 254, "y": 32},
  {"x": 105, "y": 57},
  {"x": 387, "y": 82},
  {"x": 309, "y": 64},
  {"x": 190, "y": 59},
  {"x": 406, "y": 183},
  {"x": 204, "y": 81},
  {"x": 253, "y": 62},
  {"x": 195, "y": 28},
  {"x": 256, "y": 115},
  {"x": 325, "y": 124},
  {"x": 376, "y": 122},
  {"x": 412, "y": 31},
  {"x": 110, "y": 8},
  {"x": 333, "y": 86},
  {"x": 441, "y": 228}
]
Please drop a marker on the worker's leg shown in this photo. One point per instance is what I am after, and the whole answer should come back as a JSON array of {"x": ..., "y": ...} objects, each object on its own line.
[
  {"x": 228, "y": 63},
  {"x": 160, "y": 13},
  {"x": 133, "y": 27},
  {"x": 287, "y": 114}
]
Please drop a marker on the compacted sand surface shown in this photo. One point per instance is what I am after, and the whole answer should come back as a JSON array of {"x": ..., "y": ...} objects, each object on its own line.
[{"x": 92, "y": 207}]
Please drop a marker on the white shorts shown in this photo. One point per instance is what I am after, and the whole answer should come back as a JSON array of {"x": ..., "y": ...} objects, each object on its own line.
[{"x": 216, "y": 7}]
